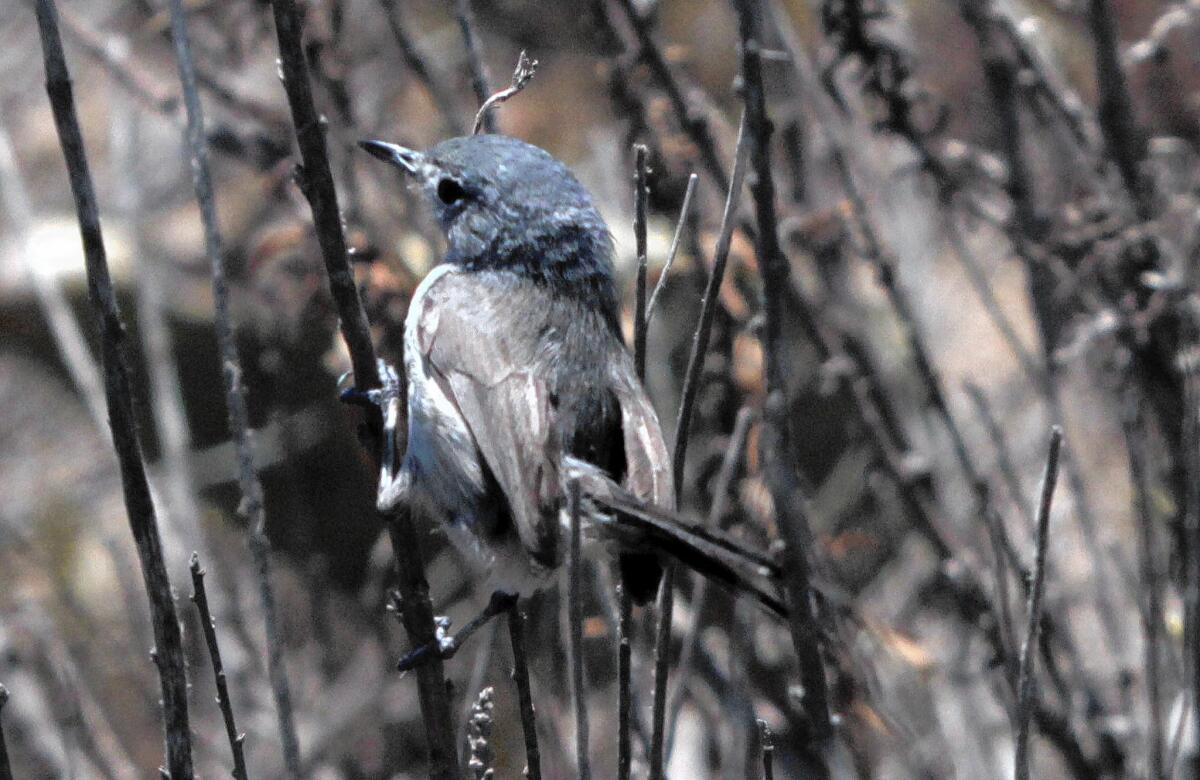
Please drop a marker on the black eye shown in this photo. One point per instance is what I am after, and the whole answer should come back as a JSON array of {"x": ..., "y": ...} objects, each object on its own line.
[{"x": 449, "y": 191}]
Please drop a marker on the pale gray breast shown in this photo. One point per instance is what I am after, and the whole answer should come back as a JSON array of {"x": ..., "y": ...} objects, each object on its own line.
[{"x": 442, "y": 461}]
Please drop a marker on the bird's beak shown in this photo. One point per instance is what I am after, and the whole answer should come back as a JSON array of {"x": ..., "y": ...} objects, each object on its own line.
[{"x": 405, "y": 159}]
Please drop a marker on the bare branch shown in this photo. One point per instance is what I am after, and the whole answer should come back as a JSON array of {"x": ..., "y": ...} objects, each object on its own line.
[
  {"x": 316, "y": 182},
  {"x": 684, "y": 212},
  {"x": 168, "y": 655},
  {"x": 575, "y": 611},
  {"x": 208, "y": 625},
  {"x": 691, "y": 388},
  {"x": 5, "y": 768},
  {"x": 1026, "y": 697},
  {"x": 479, "y": 76},
  {"x": 516, "y": 632},
  {"x": 640, "y": 195},
  {"x": 416, "y": 62},
  {"x": 521, "y": 77},
  {"x": 780, "y": 471},
  {"x": 479, "y": 735},
  {"x": 251, "y": 504}
]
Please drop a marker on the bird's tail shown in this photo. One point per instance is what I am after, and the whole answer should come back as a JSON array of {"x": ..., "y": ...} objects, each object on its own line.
[{"x": 635, "y": 524}]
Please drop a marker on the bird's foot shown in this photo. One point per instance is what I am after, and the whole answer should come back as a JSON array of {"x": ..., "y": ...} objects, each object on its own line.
[
  {"x": 378, "y": 397},
  {"x": 444, "y": 645}
]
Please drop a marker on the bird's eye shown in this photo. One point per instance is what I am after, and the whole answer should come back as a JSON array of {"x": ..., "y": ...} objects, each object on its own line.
[{"x": 449, "y": 191}]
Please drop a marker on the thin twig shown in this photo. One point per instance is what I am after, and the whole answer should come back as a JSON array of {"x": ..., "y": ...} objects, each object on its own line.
[
  {"x": 521, "y": 77},
  {"x": 624, "y": 680},
  {"x": 415, "y": 61},
  {"x": 781, "y": 477},
  {"x": 641, "y": 194},
  {"x": 767, "y": 741},
  {"x": 5, "y": 768},
  {"x": 208, "y": 625},
  {"x": 479, "y": 75},
  {"x": 1025, "y": 676},
  {"x": 316, "y": 182},
  {"x": 700, "y": 596},
  {"x": 693, "y": 123},
  {"x": 691, "y": 388},
  {"x": 684, "y": 212},
  {"x": 1123, "y": 138},
  {"x": 1188, "y": 365},
  {"x": 575, "y": 611},
  {"x": 1151, "y": 608},
  {"x": 168, "y": 655},
  {"x": 251, "y": 505},
  {"x": 516, "y": 632},
  {"x": 416, "y": 610}
]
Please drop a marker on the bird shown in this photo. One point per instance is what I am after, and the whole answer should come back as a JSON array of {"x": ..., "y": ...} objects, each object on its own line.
[{"x": 519, "y": 383}]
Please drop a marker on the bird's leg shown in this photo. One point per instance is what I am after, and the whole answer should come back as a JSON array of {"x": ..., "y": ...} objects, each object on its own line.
[
  {"x": 387, "y": 400},
  {"x": 444, "y": 645}
]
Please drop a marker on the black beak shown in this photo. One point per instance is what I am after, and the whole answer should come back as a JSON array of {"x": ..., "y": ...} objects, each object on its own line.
[{"x": 405, "y": 159}]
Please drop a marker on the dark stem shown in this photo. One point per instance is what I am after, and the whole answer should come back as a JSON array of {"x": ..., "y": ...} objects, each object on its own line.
[
  {"x": 1026, "y": 697},
  {"x": 479, "y": 76},
  {"x": 624, "y": 680},
  {"x": 781, "y": 475},
  {"x": 316, "y": 182},
  {"x": 416, "y": 614},
  {"x": 1151, "y": 608},
  {"x": 640, "y": 195},
  {"x": 575, "y": 612},
  {"x": 118, "y": 392},
  {"x": 516, "y": 633},
  {"x": 691, "y": 387},
  {"x": 251, "y": 505},
  {"x": 1123, "y": 139},
  {"x": 236, "y": 739},
  {"x": 415, "y": 61},
  {"x": 684, "y": 212},
  {"x": 5, "y": 768},
  {"x": 693, "y": 123}
]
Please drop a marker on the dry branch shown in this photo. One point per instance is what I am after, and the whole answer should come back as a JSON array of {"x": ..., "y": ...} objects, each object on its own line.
[
  {"x": 1026, "y": 696},
  {"x": 251, "y": 504},
  {"x": 208, "y": 625},
  {"x": 118, "y": 391},
  {"x": 780, "y": 467}
]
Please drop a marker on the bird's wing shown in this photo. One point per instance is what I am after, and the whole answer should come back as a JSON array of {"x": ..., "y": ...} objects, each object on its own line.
[
  {"x": 483, "y": 365},
  {"x": 647, "y": 463}
]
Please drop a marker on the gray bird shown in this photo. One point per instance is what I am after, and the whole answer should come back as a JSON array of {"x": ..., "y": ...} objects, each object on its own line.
[{"x": 519, "y": 381}]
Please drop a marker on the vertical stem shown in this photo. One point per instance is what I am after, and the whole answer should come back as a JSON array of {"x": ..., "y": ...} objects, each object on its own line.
[
  {"x": 624, "y": 602},
  {"x": 479, "y": 75},
  {"x": 251, "y": 504},
  {"x": 777, "y": 451},
  {"x": 516, "y": 632},
  {"x": 1025, "y": 675},
  {"x": 118, "y": 391},
  {"x": 691, "y": 387},
  {"x": 1151, "y": 607},
  {"x": 316, "y": 182},
  {"x": 575, "y": 610},
  {"x": 640, "y": 195},
  {"x": 236, "y": 739},
  {"x": 5, "y": 768}
]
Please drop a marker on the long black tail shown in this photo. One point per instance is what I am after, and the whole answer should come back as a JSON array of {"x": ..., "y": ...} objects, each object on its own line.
[{"x": 637, "y": 525}]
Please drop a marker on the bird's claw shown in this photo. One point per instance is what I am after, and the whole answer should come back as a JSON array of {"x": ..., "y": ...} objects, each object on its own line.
[{"x": 376, "y": 397}]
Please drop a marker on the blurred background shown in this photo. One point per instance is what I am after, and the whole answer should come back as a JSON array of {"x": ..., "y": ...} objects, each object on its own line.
[{"x": 972, "y": 260}]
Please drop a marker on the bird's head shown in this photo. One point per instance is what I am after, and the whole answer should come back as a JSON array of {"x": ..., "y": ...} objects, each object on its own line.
[{"x": 506, "y": 204}]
